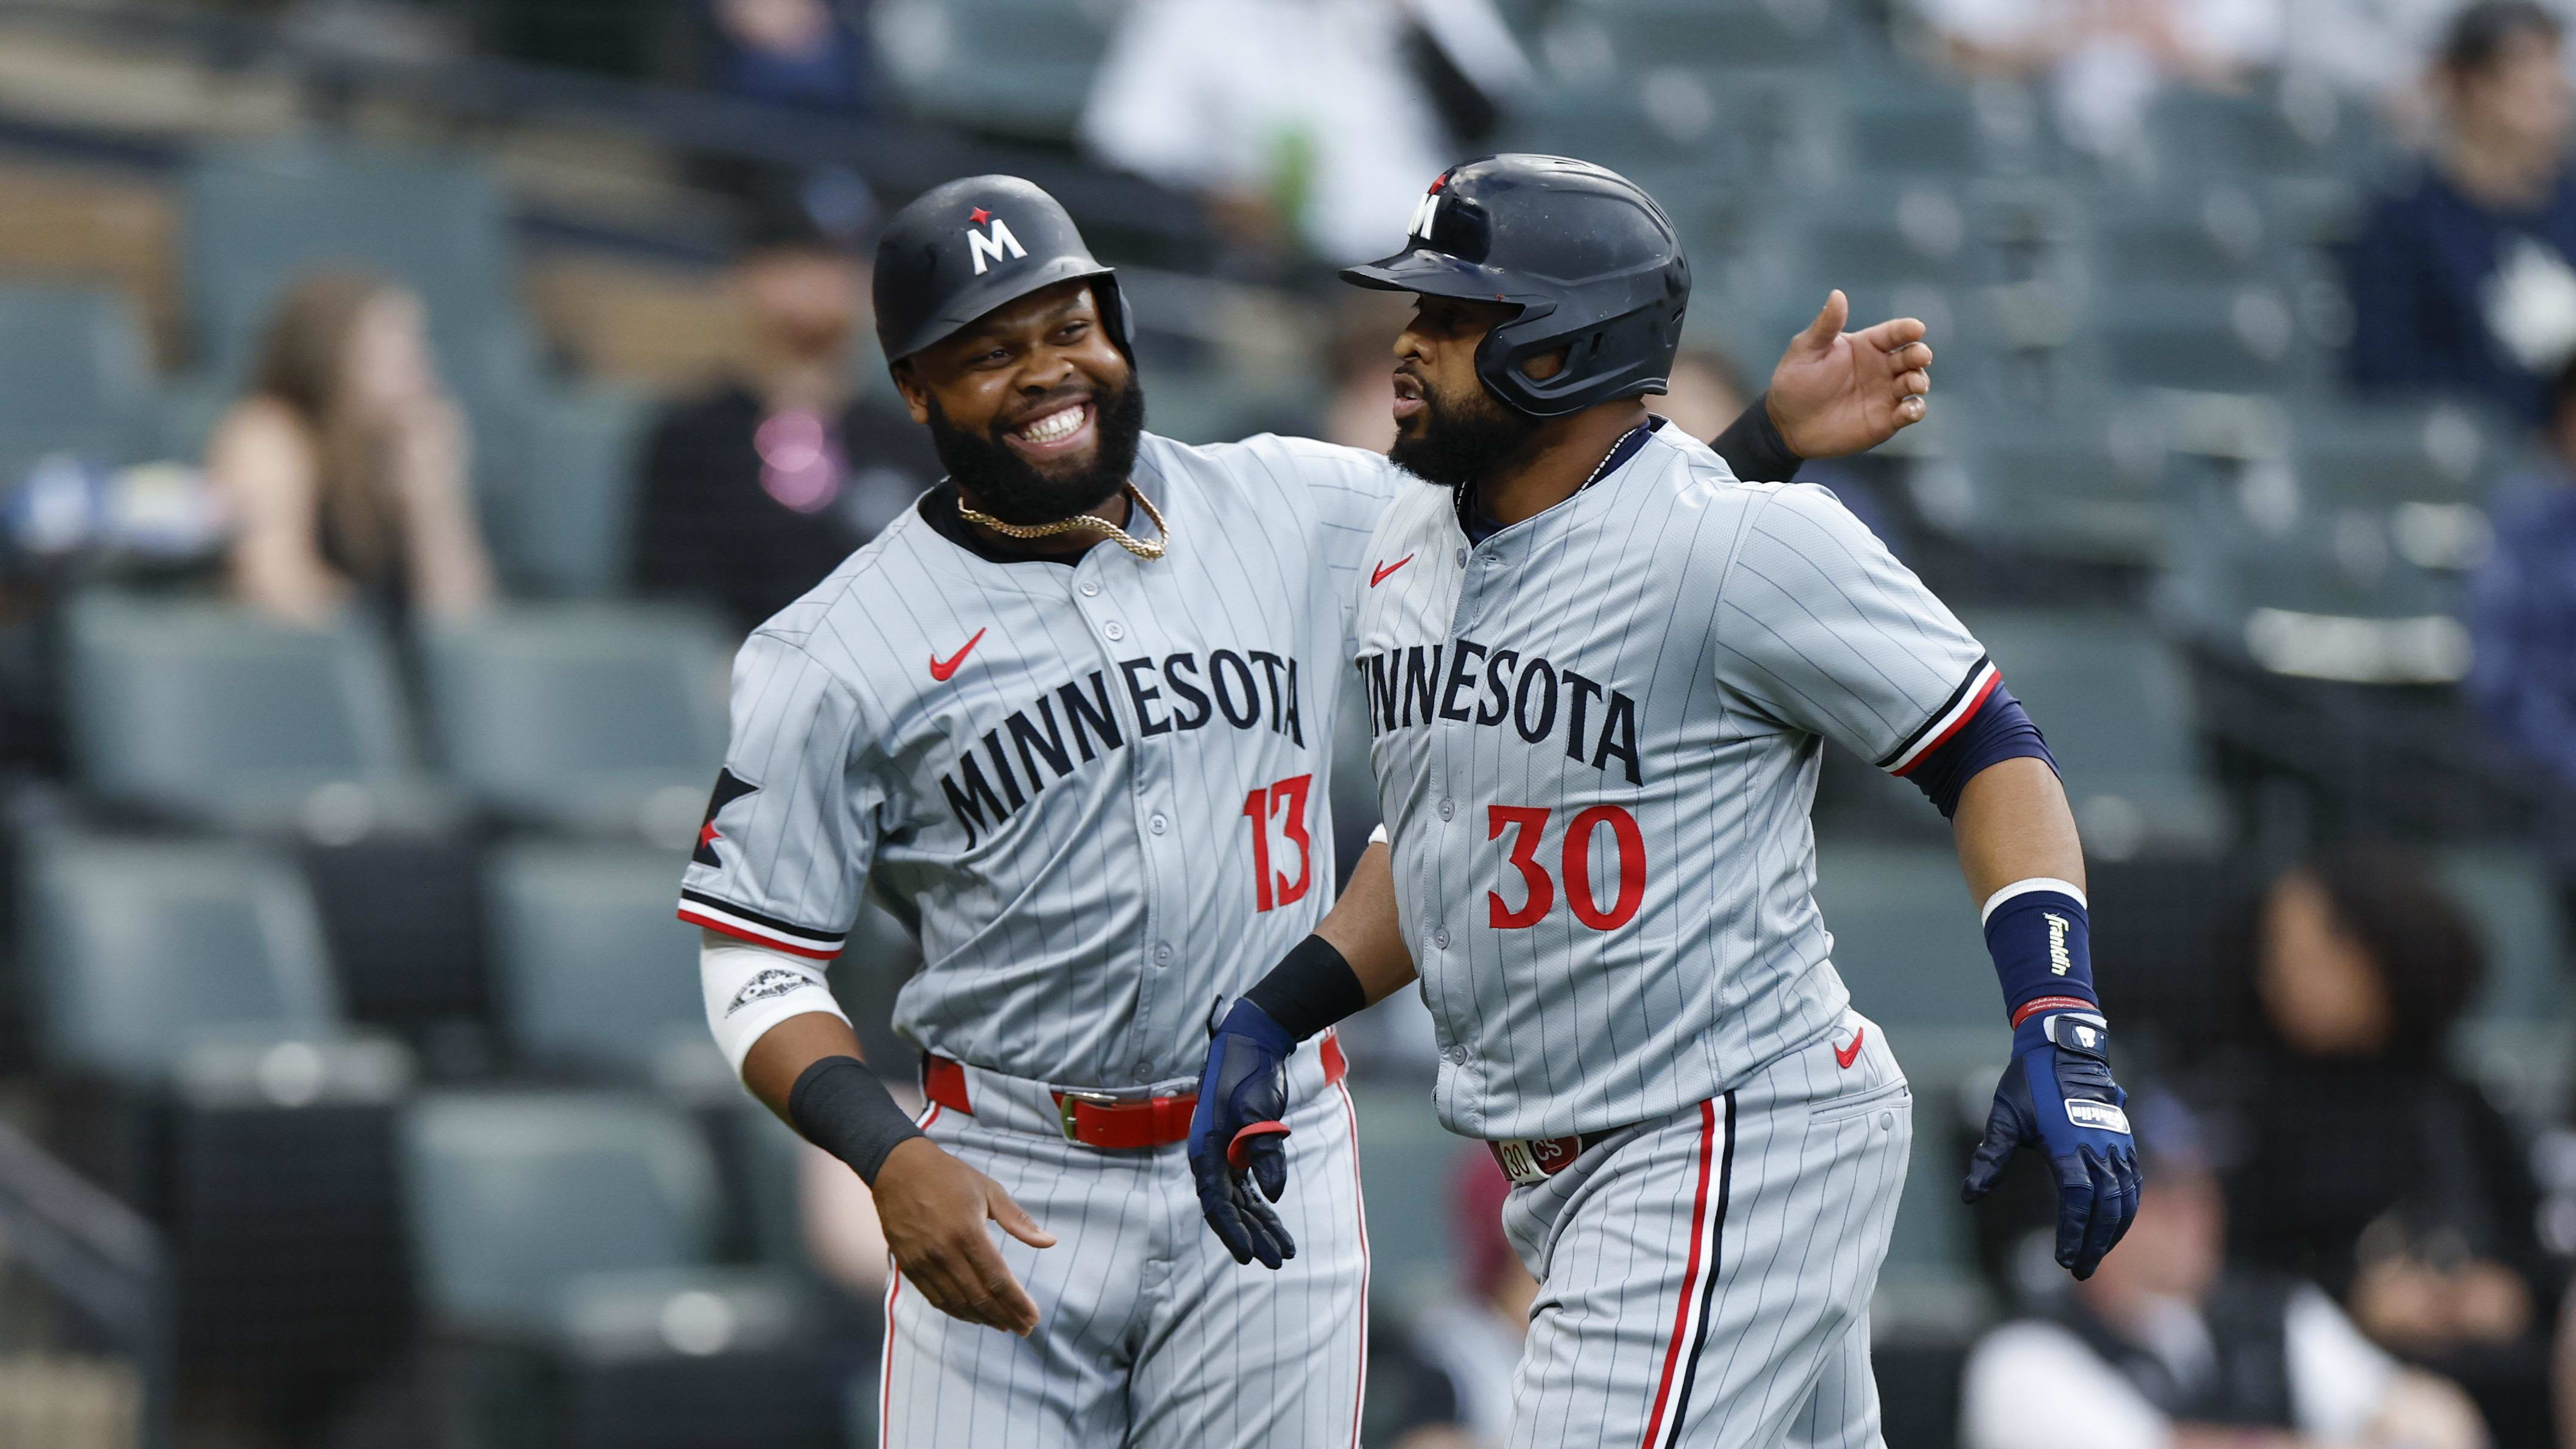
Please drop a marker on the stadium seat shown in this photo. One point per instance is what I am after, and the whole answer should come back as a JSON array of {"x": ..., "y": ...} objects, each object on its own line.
[
  {"x": 593, "y": 970},
  {"x": 2080, "y": 486},
  {"x": 2509, "y": 899},
  {"x": 2298, "y": 128},
  {"x": 1406, "y": 1160},
  {"x": 586, "y": 716},
  {"x": 2204, "y": 338},
  {"x": 74, "y": 377},
  {"x": 2216, "y": 233},
  {"x": 517, "y": 1195},
  {"x": 1000, "y": 67},
  {"x": 145, "y": 952},
  {"x": 262, "y": 214},
  {"x": 559, "y": 520},
  {"x": 2115, "y": 705},
  {"x": 212, "y": 713}
]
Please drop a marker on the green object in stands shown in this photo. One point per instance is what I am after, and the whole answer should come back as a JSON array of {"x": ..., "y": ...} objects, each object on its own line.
[
  {"x": 2508, "y": 898},
  {"x": 586, "y": 716},
  {"x": 2114, "y": 703},
  {"x": 593, "y": 968},
  {"x": 212, "y": 713},
  {"x": 74, "y": 377},
  {"x": 515, "y": 1198},
  {"x": 560, "y": 521},
  {"x": 147, "y": 950}
]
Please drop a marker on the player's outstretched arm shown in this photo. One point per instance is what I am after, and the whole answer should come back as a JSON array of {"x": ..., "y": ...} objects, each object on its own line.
[
  {"x": 1837, "y": 392},
  {"x": 934, "y": 1207},
  {"x": 2025, "y": 866},
  {"x": 1238, "y": 1130}
]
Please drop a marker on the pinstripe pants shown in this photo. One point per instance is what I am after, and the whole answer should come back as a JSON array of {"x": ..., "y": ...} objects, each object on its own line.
[
  {"x": 1704, "y": 1278},
  {"x": 1149, "y": 1333}
]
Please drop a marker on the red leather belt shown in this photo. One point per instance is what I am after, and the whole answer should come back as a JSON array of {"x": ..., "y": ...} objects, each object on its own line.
[{"x": 1103, "y": 1119}]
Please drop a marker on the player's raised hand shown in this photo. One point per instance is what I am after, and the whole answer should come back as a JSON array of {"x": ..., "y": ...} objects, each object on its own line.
[
  {"x": 934, "y": 1209},
  {"x": 1237, "y": 1138},
  {"x": 2058, "y": 1097},
  {"x": 1837, "y": 392}
]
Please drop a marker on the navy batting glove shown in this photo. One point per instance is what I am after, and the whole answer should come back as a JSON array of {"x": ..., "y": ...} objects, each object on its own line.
[
  {"x": 1236, "y": 1135},
  {"x": 2058, "y": 1096}
]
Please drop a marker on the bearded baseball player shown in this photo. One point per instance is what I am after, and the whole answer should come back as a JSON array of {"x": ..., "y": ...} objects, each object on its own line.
[
  {"x": 1069, "y": 720},
  {"x": 1598, "y": 670}
]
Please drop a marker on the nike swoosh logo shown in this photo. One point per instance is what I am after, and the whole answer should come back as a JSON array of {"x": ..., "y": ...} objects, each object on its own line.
[
  {"x": 1377, "y": 576},
  {"x": 941, "y": 669},
  {"x": 1845, "y": 1056}
]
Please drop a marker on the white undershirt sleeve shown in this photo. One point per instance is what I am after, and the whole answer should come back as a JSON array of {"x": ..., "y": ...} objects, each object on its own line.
[
  {"x": 2337, "y": 1377},
  {"x": 750, "y": 989},
  {"x": 2034, "y": 1385}
]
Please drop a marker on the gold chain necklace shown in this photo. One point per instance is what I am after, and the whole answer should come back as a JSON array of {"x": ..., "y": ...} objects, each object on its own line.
[{"x": 1142, "y": 548}]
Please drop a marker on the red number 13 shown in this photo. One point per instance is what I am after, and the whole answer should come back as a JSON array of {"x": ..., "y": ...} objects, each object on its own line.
[{"x": 1286, "y": 798}]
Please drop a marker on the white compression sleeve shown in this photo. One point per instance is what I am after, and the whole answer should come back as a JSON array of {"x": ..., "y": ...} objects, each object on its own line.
[{"x": 750, "y": 989}]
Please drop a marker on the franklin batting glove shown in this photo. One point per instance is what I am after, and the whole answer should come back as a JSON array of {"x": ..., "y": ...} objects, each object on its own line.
[
  {"x": 2058, "y": 1096},
  {"x": 1236, "y": 1135}
]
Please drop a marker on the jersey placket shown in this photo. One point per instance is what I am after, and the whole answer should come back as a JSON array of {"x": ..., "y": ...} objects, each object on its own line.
[{"x": 1111, "y": 594}]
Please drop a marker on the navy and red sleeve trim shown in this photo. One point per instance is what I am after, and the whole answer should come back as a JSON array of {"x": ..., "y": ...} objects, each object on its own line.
[
  {"x": 1981, "y": 725},
  {"x": 1945, "y": 721},
  {"x": 701, "y": 909}
]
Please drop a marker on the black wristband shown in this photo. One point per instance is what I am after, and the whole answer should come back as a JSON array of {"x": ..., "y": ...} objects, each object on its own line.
[
  {"x": 841, "y": 1107},
  {"x": 1311, "y": 988},
  {"x": 1753, "y": 447}
]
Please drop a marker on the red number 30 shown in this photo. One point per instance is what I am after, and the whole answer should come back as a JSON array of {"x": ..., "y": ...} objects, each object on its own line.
[{"x": 1527, "y": 823}]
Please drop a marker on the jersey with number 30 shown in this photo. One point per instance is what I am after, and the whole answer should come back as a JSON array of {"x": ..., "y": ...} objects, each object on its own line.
[{"x": 1596, "y": 737}]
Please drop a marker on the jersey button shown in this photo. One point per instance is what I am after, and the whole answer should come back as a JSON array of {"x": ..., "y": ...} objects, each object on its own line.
[
  {"x": 1163, "y": 954},
  {"x": 1156, "y": 824},
  {"x": 1448, "y": 809},
  {"x": 1114, "y": 630},
  {"x": 1455, "y": 1056},
  {"x": 1090, "y": 588},
  {"x": 1440, "y": 937},
  {"x": 1462, "y": 558}
]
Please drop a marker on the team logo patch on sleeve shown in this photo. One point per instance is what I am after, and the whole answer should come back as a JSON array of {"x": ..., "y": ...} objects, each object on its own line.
[
  {"x": 772, "y": 981},
  {"x": 729, "y": 788}
]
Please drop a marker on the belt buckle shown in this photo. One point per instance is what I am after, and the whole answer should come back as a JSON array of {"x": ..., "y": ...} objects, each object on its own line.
[{"x": 1067, "y": 1099}]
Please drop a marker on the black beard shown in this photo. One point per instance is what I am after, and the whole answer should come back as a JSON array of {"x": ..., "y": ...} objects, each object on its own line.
[
  {"x": 995, "y": 479},
  {"x": 1456, "y": 443}
]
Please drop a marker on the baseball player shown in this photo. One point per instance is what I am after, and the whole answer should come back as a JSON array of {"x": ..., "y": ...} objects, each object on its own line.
[
  {"x": 1068, "y": 720},
  {"x": 1597, "y": 670}
]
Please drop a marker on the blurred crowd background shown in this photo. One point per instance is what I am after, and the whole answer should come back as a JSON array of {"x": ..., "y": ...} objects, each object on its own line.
[{"x": 405, "y": 405}]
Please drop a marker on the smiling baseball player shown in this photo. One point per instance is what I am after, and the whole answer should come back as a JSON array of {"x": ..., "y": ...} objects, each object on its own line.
[
  {"x": 1068, "y": 719},
  {"x": 1598, "y": 670}
]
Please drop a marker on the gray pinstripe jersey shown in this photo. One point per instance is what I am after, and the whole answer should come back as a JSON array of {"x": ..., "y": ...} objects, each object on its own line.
[
  {"x": 1096, "y": 793},
  {"x": 1595, "y": 737}
]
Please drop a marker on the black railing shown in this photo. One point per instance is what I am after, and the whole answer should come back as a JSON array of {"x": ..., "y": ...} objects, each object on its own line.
[{"x": 99, "y": 1257}]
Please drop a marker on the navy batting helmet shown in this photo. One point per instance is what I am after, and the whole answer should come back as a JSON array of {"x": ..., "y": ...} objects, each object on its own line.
[
  {"x": 964, "y": 248},
  {"x": 1592, "y": 262}
]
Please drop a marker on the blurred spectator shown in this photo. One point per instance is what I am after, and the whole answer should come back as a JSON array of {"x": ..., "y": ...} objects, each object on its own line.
[
  {"x": 2523, "y": 620},
  {"x": 345, "y": 466},
  {"x": 2163, "y": 1346},
  {"x": 1317, "y": 121},
  {"x": 2359, "y": 1157},
  {"x": 2462, "y": 280},
  {"x": 754, "y": 492},
  {"x": 811, "y": 53},
  {"x": 1466, "y": 1348},
  {"x": 2106, "y": 59},
  {"x": 1705, "y": 395}
]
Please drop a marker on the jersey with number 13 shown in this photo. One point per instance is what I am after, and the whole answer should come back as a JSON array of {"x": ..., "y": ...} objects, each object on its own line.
[{"x": 1596, "y": 736}]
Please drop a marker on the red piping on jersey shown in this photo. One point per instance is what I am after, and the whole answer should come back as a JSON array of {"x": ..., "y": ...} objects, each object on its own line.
[
  {"x": 1992, "y": 679},
  {"x": 770, "y": 942},
  {"x": 1690, "y": 1274}
]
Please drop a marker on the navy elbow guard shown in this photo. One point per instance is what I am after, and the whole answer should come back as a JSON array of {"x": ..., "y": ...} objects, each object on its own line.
[
  {"x": 2038, "y": 932},
  {"x": 1982, "y": 727}
]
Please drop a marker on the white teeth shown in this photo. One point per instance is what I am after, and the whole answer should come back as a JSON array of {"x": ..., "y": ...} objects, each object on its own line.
[{"x": 1054, "y": 426}]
